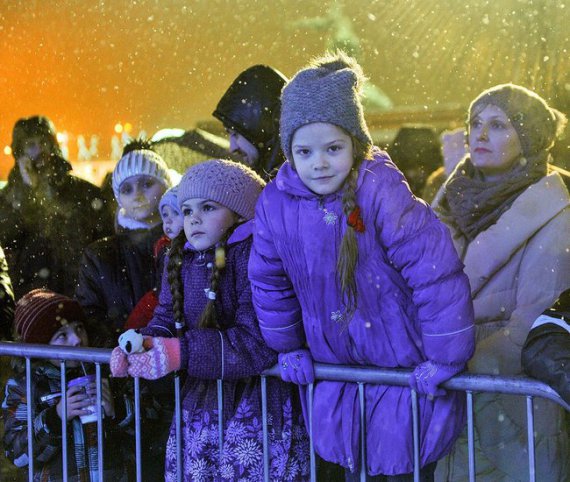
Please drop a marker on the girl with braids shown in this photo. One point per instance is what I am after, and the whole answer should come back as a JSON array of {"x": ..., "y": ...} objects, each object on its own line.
[
  {"x": 206, "y": 290},
  {"x": 349, "y": 268}
]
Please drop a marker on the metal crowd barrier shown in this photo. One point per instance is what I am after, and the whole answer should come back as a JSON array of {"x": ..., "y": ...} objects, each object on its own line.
[{"x": 468, "y": 383}]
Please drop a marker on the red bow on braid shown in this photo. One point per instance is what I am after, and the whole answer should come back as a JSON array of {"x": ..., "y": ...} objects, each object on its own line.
[{"x": 355, "y": 220}]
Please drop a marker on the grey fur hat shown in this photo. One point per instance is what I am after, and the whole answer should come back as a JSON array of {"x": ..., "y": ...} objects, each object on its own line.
[
  {"x": 328, "y": 90},
  {"x": 229, "y": 183}
]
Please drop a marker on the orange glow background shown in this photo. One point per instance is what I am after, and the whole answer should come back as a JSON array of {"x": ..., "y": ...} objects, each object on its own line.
[{"x": 88, "y": 65}]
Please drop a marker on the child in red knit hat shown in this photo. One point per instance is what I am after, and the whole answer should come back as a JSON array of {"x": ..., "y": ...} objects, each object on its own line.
[{"x": 45, "y": 317}]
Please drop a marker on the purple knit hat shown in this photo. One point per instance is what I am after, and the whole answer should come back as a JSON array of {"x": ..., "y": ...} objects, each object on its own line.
[{"x": 233, "y": 185}]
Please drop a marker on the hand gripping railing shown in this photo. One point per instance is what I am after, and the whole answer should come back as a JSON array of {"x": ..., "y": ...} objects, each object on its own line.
[{"x": 468, "y": 383}]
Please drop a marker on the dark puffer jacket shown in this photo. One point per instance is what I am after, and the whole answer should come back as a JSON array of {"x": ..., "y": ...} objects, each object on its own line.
[
  {"x": 251, "y": 107},
  {"x": 114, "y": 275},
  {"x": 44, "y": 230},
  {"x": 546, "y": 352}
]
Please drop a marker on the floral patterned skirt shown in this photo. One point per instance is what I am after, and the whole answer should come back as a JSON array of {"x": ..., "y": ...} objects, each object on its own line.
[{"x": 241, "y": 458}]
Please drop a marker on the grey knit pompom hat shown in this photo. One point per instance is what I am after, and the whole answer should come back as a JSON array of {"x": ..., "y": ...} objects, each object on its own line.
[
  {"x": 536, "y": 123},
  {"x": 140, "y": 162},
  {"x": 229, "y": 183},
  {"x": 328, "y": 90}
]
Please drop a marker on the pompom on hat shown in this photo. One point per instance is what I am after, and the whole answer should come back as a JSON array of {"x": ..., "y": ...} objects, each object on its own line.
[
  {"x": 536, "y": 123},
  {"x": 41, "y": 312},
  {"x": 228, "y": 183},
  {"x": 329, "y": 91},
  {"x": 140, "y": 162}
]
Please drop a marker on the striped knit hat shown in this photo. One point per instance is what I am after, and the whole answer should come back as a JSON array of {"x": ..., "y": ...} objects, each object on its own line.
[
  {"x": 41, "y": 312},
  {"x": 233, "y": 185},
  {"x": 140, "y": 162}
]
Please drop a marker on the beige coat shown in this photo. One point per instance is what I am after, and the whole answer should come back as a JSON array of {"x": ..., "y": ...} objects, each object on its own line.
[{"x": 517, "y": 268}]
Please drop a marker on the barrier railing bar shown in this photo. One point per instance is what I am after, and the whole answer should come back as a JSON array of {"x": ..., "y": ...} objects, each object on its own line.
[
  {"x": 416, "y": 435},
  {"x": 64, "y": 441},
  {"x": 530, "y": 438},
  {"x": 29, "y": 416},
  {"x": 138, "y": 445},
  {"x": 178, "y": 422},
  {"x": 470, "y": 436},
  {"x": 221, "y": 418},
  {"x": 361, "y": 402},
  {"x": 264, "y": 429},
  {"x": 312, "y": 459},
  {"x": 99, "y": 421}
]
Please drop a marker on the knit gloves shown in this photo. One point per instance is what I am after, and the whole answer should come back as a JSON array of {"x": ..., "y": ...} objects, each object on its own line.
[
  {"x": 428, "y": 375},
  {"x": 161, "y": 358},
  {"x": 119, "y": 363},
  {"x": 297, "y": 367}
]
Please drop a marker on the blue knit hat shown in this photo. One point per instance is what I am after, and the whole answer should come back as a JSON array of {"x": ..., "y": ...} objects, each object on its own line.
[
  {"x": 170, "y": 198},
  {"x": 328, "y": 90}
]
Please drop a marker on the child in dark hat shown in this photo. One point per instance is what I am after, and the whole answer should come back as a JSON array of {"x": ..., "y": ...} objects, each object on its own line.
[{"x": 45, "y": 317}]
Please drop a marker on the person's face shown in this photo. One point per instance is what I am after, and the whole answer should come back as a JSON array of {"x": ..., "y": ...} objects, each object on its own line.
[
  {"x": 37, "y": 148},
  {"x": 493, "y": 142},
  {"x": 172, "y": 221},
  {"x": 139, "y": 197},
  {"x": 72, "y": 334},
  {"x": 206, "y": 222},
  {"x": 242, "y": 148},
  {"x": 323, "y": 156}
]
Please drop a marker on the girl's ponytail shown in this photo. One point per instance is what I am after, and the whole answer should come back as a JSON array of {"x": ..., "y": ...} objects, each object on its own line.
[{"x": 209, "y": 318}]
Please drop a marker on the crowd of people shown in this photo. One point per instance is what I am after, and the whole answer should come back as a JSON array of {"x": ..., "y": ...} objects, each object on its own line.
[{"x": 314, "y": 248}]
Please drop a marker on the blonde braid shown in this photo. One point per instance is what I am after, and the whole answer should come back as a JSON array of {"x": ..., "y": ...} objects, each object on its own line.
[
  {"x": 348, "y": 254},
  {"x": 209, "y": 318},
  {"x": 175, "y": 276}
]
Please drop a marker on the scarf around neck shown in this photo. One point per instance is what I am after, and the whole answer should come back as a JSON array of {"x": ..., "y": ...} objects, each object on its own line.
[{"x": 473, "y": 204}]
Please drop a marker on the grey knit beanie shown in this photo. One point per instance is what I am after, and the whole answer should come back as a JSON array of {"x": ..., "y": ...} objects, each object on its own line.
[
  {"x": 537, "y": 125},
  {"x": 233, "y": 185},
  {"x": 328, "y": 90},
  {"x": 140, "y": 162}
]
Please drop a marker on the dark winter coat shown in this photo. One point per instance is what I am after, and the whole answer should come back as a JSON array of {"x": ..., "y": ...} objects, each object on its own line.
[
  {"x": 413, "y": 305},
  {"x": 6, "y": 300},
  {"x": 546, "y": 352},
  {"x": 114, "y": 275},
  {"x": 82, "y": 439},
  {"x": 235, "y": 353},
  {"x": 44, "y": 231}
]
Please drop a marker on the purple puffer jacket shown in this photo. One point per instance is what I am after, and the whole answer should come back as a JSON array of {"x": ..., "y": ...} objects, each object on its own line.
[
  {"x": 235, "y": 353},
  {"x": 413, "y": 304}
]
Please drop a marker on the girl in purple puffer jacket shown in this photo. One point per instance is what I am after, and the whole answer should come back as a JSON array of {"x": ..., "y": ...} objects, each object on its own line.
[
  {"x": 349, "y": 268},
  {"x": 206, "y": 290}
]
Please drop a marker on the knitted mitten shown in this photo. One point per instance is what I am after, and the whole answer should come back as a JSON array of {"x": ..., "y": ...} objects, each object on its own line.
[
  {"x": 162, "y": 357},
  {"x": 428, "y": 375},
  {"x": 119, "y": 363},
  {"x": 297, "y": 367}
]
